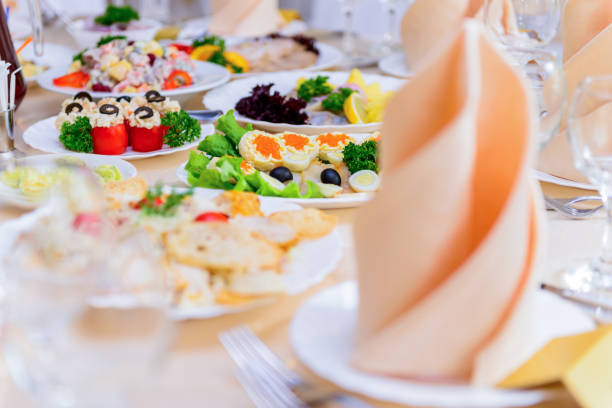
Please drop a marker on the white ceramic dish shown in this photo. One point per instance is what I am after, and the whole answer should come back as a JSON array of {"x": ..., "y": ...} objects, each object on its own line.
[
  {"x": 395, "y": 64},
  {"x": 322, "y": 337},
  {"x": 208, "y": 76},
  {"x": 43, "y": 136},
  {"x": 306, "y": 265},
  {"x": 195, "y": 28},
  {"x": 43, "y": 162},
  {"x": 226, "y": 97},
  {"x": 54, "y": 55},
  {"x": 87, "y": 38},
  {"x": 549, "y": 178}
]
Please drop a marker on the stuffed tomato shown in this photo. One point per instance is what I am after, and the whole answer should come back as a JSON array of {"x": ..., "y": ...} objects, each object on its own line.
[
  {"x": 108, "y": 132},
  {"x": 146, "y": 131}
]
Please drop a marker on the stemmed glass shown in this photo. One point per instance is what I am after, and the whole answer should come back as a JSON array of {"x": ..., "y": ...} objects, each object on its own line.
[
  {"x": 523, "y": 23},
  {"x": 590, "y": 137},
  {"x": 81, "y": 325},
  {"x": 389, "y": 41}
]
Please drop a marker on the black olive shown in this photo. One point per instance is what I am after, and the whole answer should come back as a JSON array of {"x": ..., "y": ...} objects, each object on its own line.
[
  {"x": 330, "y": 176},
  {"x": 147, "y": 115},
  {"x": 159, "y": 98},
  {"x": 122, "y": 97},
  {"x": 71, "y": 106},
  {"x": 150, "y": 95},
  {"x": 109, "y": 109},
  {"x": 282, "y": 174},
  {"x": 83, "y": 95}
]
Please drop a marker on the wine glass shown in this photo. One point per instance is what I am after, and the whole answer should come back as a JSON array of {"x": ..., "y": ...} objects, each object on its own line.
[
  {"x": 389, "y": 40},
  {"x": 545, "y": 75},
  {"x": 81, "y": 325},
  {"x": 523, "y": 23},
  {"x": 590, "y": 137}
]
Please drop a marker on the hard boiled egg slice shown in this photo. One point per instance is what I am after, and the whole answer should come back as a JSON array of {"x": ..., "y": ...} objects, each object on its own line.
[
  {"x": 297, "y": 161},
  {"x": 364, "y": 181},
  {"x": 329, "y": 190},
  {"x": 272, "y": 181},
  {"x": 334, "y": 157}
]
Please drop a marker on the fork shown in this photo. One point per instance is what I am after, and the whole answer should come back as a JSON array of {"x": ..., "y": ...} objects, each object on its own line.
[
  {"x": 266, "y": 379},
  {"x": 565, "y": 206}
]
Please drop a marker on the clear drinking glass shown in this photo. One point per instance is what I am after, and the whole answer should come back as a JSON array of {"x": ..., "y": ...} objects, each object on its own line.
[
  {"x": 86, "y": 303},
  {"x": 590, "y": 136},
  {"x": 523, "y": 23},
  {"x": 349, "y": 38},
  {"x": 389, "y": 40},
  {"x": 546, "y": 75}
]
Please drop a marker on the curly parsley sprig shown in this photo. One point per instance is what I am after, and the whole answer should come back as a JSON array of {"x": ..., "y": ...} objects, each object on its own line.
[
  {"x": 182, "y": 128},
  {"x": 77, "y": 136},
  {"x": 117, "y": 14}
]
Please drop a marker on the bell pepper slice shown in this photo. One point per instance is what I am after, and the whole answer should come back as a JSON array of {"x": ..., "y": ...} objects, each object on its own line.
[
  {"x": 182, "y": 47},
  {"x": 77, "y": 79},
  {"x": 177, "y": 79}
]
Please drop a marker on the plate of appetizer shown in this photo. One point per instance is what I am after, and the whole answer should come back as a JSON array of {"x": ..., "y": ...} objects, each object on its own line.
[
  {"x": 395, "y": 64},
  {"x": 128, "y": 127},
  {"x": 118, "y": 65},
  {"x": 33, "y": 65},
  {"x": 273, "y": 53},
  {"x": 116, "y": 20},
  {"x": 220, "y": 252},
  {"x": 329, "y": 170},
  {"x": 308, "y": 102},
  {"x": 27, "y": 184}
]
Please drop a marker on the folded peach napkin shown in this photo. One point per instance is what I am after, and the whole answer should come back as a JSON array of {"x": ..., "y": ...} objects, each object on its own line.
[
  {"x": 587, "y": 40},
  {"x": 448, "y": 247},
  {"x": 244, "y": 18}
]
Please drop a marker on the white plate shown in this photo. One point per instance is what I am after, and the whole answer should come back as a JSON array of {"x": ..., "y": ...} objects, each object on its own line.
[
  {"x": 87, "y": 38},
  {"x": 306, "y": 264},
  {"x": 54, "y": 55},
  {"x": 549, "y": 178},
  {"x": 14, "y": 197},
  {"x": 395, "y": 64},
  {"x": 322, "y": 336},
  {"x": 195, "y": 28},
  {"x": 45, "y": 137},
  {"x": 226, "y": 97},
  {"x": 208, "y": 76}
]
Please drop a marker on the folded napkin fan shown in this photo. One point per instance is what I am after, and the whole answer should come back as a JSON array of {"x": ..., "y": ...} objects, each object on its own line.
[
  {"x": 446, "y": 250},
  {"x": 587, "y": 41},
  {"x": 244, "y": 18}
]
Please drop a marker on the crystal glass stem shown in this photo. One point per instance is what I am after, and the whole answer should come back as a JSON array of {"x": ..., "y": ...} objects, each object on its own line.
[
  {"x": 348, "y": 38},
  {"x": 389, "y": 36},
  {"x": 606, "y": 241}
]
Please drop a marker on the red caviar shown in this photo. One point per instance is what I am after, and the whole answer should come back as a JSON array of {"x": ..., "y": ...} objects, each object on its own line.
[
  {"x": 296, "y": 141},
  {"x": 333, "y": 139},
  {"x": 267, "y": 146}
]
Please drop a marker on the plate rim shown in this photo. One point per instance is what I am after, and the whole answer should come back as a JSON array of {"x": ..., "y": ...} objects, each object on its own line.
[{"x": 382, "y": 65}]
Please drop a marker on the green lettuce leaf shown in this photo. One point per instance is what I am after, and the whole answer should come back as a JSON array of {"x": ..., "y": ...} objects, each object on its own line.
[
  {"x": 196, "y": 164},
  {"x": 233, "y": 131},
  {"x": 217, "y": 145}
]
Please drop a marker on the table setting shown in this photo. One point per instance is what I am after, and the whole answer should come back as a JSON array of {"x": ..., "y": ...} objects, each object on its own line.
[{"x": 236, "y": 204}]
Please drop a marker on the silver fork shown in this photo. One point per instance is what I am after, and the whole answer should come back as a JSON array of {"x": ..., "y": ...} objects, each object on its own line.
[
  {"x": 266, "y": 379},
  {"x": 565, "y": 206}
]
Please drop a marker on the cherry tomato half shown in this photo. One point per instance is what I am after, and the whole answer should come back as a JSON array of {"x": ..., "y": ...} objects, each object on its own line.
[
  {"x": 211, "y": 217},
  {"x": 182, "y": 47}
]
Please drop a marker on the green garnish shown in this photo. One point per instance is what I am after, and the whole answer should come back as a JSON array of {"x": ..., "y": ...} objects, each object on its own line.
[
  {"x": 182, "y": 128},
  {"x": 154, "y": 203},
  {"x": 110, "y": 38},
  {"x": 314, "y": 87},
  {"x": 361, "y": 156},
  {"x": 226, "y": 142},
  {"x": 335, "y": 100},
  {"x": 79, "y": 57},
  {"x": 210, "y": 40},
  {"x": 117, "y": 14},
  {"x": 77, "y": 136},
  {"x": 217, "y": 57}
]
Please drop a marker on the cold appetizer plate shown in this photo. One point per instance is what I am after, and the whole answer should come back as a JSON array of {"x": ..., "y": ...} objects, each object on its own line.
[
  {"x": 25, "y": 186},
  {"x": 131, "y": 128},
  {"x": 322, "y": 335},
  {"x": 221, "y": 253},
  {"x": 329, "y": 170},
  {"x": 33, "y": 66},
  {"x": 395, "y": 64},
  {"x": 307, "y": 102}
]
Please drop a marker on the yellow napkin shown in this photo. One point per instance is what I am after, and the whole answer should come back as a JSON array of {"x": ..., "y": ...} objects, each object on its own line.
[
  {"x": 244, "y": 18},
  {"x": 587, "y": 42},
  {"x": 448, "y": 247}
]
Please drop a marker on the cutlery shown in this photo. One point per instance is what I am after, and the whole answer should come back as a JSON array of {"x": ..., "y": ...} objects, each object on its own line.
[
  {"x": 266, "y": 379},
  {"x": 565, "y": 206},
  {"x": 205, "y": 115},
  {"x": 600, "y": 310}
]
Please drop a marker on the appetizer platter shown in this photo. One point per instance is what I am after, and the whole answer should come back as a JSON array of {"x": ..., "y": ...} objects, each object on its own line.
[
  {"x": 26, "y": 185},
  {"x": 273, "y": 53},
  {"x": 307, "y": 102},
  {"x": 329, "y": 170},
  {"x": 220, "y": 252},
  {"x": 395, "y": 64},
  {"x": 116, "y": 20},
  {"x": 118, "y": 65},
  {"x": 32, "y": 65},
  {"x": 131, "y": 128}
]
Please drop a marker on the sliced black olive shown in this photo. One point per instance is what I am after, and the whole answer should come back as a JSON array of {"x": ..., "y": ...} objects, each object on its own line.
[
  {"x": 150, "y": 95},
  {"x": 72, "y": 106},
  {"x": 282, "y": 174},
  {"x": 159, "y": 98},
  {"x": 147, "y": 115},
  {"x": 109, "y": 109},
  {"x": 123, "y": 97},
  {"x": 330, "y": 176},
  {"x": 83, "y": 95}
]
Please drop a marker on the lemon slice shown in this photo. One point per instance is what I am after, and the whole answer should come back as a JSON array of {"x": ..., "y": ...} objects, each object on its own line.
[{"x": 355, "y": 108}]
